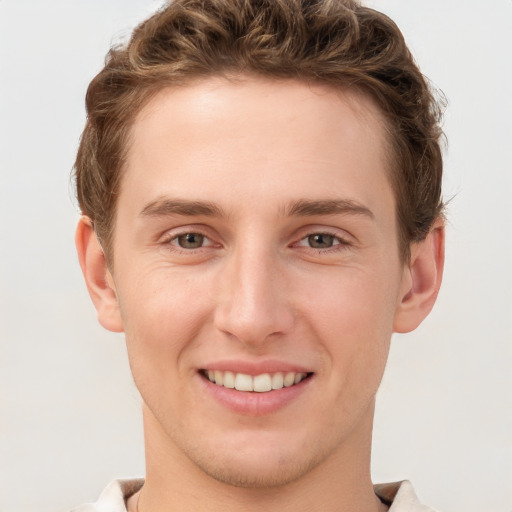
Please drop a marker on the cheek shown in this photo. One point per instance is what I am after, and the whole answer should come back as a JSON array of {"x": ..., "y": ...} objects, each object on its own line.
[
  {"x": 352, "y": 315},
  {"x": 162, "y": 314},
  {"x": 350, "y": 301}
]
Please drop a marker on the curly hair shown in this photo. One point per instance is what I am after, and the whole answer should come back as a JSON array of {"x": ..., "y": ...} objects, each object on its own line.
[{"x": 334, "y": 42}]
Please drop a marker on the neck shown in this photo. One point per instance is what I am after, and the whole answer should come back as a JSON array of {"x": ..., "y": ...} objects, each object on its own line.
[{"x": 337, "y": 484}]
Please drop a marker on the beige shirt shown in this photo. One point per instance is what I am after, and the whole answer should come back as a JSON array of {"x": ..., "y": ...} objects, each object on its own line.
[{"x": 400, "y": 496}]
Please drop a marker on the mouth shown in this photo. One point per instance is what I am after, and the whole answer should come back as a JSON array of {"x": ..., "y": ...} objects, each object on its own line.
[{"x": 262, "y": 383}]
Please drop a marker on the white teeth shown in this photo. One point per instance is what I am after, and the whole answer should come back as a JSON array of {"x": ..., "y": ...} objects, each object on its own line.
[
  {"x": 262, "y": 383},
  {"x": 243, "y": 382},
  {"x": 219, "y": 377},
  {"x": 289, "y": 379},
  {"x": 277, "y": 380},
  {"x": 259, "y": 383},
  {"x": 229, "y": 380}
]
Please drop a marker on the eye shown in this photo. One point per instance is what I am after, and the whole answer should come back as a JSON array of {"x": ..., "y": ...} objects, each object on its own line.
[
  {"x": 321, "y": 241},
  {"x": 190, "y": 240},
  {"x": 185, "y": 246}
]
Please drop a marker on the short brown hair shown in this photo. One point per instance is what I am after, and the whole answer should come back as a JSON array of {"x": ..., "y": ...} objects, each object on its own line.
[{"x": 334, "y": 42}]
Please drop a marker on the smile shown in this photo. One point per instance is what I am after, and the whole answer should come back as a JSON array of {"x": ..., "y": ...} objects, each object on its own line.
[{"x": 262, "y": 383}]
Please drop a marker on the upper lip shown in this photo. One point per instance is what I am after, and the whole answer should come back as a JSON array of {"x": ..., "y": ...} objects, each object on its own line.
[{"x": 255, "y": 367}]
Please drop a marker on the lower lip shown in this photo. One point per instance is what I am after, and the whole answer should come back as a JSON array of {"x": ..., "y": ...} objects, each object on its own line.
[{"x": 254, "y": 403}]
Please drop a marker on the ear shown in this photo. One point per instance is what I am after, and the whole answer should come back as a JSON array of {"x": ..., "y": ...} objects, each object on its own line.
[
  {"x": 97, "y": 276},
  {"x": 421, "y": 280}
]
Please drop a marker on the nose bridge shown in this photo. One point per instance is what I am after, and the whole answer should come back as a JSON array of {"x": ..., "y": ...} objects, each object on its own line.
[{"x": 253, "y": 304}]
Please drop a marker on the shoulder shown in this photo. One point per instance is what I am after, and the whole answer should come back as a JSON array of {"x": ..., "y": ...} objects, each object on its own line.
[
  {"x": 113, "y": 498},
  {"x": 400, "y": 497}
]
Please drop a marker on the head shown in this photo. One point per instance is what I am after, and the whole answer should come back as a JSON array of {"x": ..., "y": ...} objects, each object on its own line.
[
  {"x": 336, "y": 43},
  {"x": 262, "y": 181}
]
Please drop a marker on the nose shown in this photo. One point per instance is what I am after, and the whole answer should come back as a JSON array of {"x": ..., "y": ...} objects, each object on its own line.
[{"x": 253, "y": 301}]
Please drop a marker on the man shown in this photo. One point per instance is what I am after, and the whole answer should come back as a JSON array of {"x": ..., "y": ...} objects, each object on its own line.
[{"x": 260, "y": 185}]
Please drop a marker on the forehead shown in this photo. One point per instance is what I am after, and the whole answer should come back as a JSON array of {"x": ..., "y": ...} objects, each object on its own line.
[
  {"x": 276, "y": 138},
  {"x": 248, "y": 100}
]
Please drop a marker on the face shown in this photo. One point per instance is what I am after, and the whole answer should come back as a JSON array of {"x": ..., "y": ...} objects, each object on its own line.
[{"x": 256, "y": 248}]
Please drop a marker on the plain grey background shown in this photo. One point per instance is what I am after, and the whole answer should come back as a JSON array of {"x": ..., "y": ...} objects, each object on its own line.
[{"x": 70, "y": 414}]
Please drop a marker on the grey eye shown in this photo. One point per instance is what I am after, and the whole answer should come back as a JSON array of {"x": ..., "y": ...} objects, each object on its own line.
[
  {"x": 191, "y": 240},
  {"x": 321, "y": 241}
]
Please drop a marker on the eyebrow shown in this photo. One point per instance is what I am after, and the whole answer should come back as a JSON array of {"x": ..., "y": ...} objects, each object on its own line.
[
  {"x": 299, "y": 208},
  {"x": 163, "y": 207},
  {"x": 309, "y": 208}
]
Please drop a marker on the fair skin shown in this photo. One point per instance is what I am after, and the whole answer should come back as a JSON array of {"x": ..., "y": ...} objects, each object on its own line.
[{"x": 256, "y": 234}]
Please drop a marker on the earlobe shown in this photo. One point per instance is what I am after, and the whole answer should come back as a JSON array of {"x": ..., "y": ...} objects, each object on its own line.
[
  {"x": 97, "y": 276},
  {"x": 421, "y": 281}
]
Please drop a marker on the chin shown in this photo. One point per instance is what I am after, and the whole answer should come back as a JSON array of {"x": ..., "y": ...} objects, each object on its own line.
[
  {"x": 264, "y": 465},
  {"x": 259, "y": 475}
]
